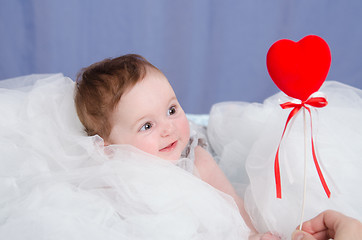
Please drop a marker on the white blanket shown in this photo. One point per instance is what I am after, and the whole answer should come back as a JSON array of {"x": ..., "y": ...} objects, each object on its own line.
[
  {"x": 245, "y": 136},
  {"x": 57, "y": 183}
]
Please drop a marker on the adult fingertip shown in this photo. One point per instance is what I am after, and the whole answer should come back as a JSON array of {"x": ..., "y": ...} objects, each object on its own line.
[{"x": 298, "y": 235}]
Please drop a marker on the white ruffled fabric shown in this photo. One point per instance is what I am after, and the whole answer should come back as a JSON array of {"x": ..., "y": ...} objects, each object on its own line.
[
  {"x": 245, "y": 136},
  {"x": 57, "y": 183}
]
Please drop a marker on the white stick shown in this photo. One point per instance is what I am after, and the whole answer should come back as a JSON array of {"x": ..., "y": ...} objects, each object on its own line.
[{"x": 305, "y": 168}]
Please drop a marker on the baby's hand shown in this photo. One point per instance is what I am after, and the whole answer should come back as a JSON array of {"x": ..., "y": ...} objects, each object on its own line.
[{"x": 264, "y": 236}]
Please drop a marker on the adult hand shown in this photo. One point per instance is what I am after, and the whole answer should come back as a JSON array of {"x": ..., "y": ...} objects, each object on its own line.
[{"x": 330, "y": 224}]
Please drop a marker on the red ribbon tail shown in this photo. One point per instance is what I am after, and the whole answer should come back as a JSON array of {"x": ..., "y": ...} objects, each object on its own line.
[
  {"x": 277, "y": 175},
  {"x": 320, "y": 174},
  {"x": 276, "y": 162}
]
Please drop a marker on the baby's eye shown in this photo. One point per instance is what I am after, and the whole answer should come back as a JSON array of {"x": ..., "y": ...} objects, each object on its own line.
[
  {"x": 171, "y": 110},
  {"x": 146, "y": 126}
]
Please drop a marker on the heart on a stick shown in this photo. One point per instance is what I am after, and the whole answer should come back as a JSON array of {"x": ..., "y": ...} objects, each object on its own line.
[{"x": 299, "y": 68}]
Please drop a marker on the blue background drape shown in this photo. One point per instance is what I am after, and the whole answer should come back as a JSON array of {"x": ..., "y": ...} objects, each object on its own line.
[{"x": 210, "y": 50}]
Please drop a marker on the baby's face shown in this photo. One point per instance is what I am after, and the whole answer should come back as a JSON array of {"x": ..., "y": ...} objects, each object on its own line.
[{"x": 150, "y": 118}]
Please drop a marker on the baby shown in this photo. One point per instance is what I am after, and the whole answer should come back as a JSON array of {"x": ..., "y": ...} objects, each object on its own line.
[{"x": 127, "y": 100}]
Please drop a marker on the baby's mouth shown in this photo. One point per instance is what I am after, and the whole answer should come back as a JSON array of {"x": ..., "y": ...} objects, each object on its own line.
[{"x": 169, "y": 147}]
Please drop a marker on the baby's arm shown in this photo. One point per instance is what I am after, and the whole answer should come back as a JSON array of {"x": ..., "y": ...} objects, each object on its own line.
[{"x": 211, "y": 173}]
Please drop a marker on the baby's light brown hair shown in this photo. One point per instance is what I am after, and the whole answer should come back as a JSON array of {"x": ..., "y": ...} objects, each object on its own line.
[{"x": 100, "y": 87}]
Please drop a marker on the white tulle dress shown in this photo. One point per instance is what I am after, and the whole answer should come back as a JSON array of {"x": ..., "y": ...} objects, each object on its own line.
[
  {"x": 57, "y": 183},
  {"x": 245, "y": 137}
]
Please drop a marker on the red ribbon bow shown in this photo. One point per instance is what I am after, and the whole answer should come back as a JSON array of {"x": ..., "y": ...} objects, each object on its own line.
[{"x": 318, "y": 102}]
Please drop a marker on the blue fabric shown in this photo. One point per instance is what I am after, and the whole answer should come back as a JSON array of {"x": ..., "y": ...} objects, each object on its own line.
[{"x": 210, "y": 50}]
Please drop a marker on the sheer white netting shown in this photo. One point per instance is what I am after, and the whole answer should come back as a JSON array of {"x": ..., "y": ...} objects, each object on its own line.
[
  {"x": 245, "y": 136},
  {"x": 57, "y": 183}
]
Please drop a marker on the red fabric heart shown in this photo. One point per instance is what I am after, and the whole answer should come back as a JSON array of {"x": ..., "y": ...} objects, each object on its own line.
[{"x": 299, "y": 68}]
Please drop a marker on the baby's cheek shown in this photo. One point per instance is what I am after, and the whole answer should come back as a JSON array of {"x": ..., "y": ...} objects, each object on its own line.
[
  {"x": 185, "y": 128},
  {"x": 147, "y": 145},
  {"x": 183, "y": 132}
]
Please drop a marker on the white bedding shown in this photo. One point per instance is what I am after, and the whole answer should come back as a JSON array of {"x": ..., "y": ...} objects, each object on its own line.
[
  {"x": 57, "y": 183},
  {"x": 245, "y": 136}
]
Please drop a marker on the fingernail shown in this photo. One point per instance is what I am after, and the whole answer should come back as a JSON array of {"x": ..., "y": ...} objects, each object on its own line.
[{"x": 298, "y": 235}]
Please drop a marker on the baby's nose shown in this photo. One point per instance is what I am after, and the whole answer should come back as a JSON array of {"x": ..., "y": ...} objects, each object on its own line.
[{"x": 167, "y": 128}]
